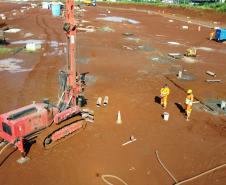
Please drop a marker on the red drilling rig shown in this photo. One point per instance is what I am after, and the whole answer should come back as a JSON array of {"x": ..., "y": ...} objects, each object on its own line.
[{"x": 47, "y": 121}]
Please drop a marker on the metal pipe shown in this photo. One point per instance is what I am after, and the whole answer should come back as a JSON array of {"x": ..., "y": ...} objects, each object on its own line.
[{"x": 211, "y": 73}]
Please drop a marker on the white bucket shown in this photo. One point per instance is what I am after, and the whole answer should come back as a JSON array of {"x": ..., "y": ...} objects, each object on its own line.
[
  {"x": 223, "y": 105},
  {"x": 166, "y": 116}
]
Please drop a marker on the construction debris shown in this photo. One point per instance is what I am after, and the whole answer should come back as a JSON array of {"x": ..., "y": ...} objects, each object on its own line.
[
  {"x": 175, "y": 55},
  {"x": 87, "y": 113},
  {"x": 185, "y": 27},
  {"x": 191, "y": 52},
  {"x": 128, "y": 34},
  {"x": 210, "y": 81},
  {"x": 105, "y": 103},
  {"x": 132, "y": 139},
  {"x": 179, "y": 75},
  {"x": 33, "y": 46},
  {"x": 174, "y": 43},
  {"x": 99, "y": 101},
  {"x": 127, "y": 47},
  {"x": 106, "y": 29},
  {"x": 87, "y": 29},
  {"x": 211, "y": 73},
  {"x": 135, "y": 39}
]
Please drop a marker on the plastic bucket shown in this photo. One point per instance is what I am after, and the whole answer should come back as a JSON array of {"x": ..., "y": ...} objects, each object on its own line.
[
  {"x": 56, "y": 9},
  {"x": 166, "y": 116},
  {"x": 45, "y": 5}
]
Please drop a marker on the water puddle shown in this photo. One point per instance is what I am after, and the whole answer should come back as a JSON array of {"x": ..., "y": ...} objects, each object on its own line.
[
  {"x": 28, "y": 35},
  {"x": 216, "y": 105},
  {"x": 12, "y": 65},
  {"x": 83, "y": 60},
  {"x": 118, "y": 19},
  {"x": 187, "y": 76},
  {"x": 13, "y": 30},
  {"x": 28, "y": 41},
  {"x": 89, "y": 79},
  {"x": 160, "y": 59},
  {"x": 58, "y": 48},
  {"x": 205, "y": 49},
  {"x": 146, "y": 48},
  {"x": 106, "y": 29},
  {"x": 189, "y": 60}
]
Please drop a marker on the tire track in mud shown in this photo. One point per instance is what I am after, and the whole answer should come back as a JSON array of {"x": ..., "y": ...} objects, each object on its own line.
[{"x": 38, "y": 82}]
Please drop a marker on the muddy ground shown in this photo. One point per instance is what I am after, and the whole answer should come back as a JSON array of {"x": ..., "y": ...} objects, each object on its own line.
[{"x": 130, "y": 70}]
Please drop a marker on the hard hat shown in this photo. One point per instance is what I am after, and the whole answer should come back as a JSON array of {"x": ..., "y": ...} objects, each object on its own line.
[{"x": 189, "y": 91}]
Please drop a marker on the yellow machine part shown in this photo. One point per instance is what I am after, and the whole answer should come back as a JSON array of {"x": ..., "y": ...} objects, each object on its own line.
[
  {"x": 191, "y": 52},
  {"x": 87, "y": 2}
]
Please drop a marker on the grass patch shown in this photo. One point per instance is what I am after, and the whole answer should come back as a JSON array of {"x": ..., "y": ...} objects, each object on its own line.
[
  {"x": 6, "y": 50},
  {"x": 219, "y": 7}
]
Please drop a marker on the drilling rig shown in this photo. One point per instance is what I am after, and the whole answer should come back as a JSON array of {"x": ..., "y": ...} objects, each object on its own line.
[{"x": 47, "y": 123}]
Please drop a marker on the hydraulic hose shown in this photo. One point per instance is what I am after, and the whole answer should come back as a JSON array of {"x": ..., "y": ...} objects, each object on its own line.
[{"x": 4, "y": 148}]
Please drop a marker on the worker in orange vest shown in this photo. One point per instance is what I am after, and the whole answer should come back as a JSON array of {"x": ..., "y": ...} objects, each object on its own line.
[
  {"x": 188, "y": 104},
  {"x": 164, "y": 93},
  {"x": 212, "y": 35}
]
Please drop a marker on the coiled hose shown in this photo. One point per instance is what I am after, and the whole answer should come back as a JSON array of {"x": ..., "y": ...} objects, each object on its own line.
[{"x": 103, "y": 177}]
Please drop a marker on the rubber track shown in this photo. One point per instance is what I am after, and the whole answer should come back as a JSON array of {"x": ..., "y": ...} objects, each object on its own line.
[{"x": 54, "y": 128}]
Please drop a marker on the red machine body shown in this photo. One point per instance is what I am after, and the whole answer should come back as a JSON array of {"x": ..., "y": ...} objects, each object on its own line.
[{"x": 22, "y": 124}]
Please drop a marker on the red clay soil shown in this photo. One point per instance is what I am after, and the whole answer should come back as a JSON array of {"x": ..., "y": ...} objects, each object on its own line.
[
  {"x": 205, "y": 15},
  {"x": 132, "y": 80}
]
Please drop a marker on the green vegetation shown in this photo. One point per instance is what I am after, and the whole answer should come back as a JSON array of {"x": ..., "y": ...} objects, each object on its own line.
[
  {"x": 7, "y": 50},
  {"x": 4, "y": 50},
  {"x": 220, "y": 7}
]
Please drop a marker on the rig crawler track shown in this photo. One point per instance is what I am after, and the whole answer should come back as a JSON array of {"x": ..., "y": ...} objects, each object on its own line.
[{"x": 56, "y": 134}]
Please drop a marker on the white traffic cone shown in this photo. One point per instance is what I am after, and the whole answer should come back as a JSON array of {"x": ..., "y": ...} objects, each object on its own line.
[{"x": 119, "y": 119}]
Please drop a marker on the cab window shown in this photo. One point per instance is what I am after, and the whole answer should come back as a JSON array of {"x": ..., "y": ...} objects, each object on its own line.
[{"x": 7, "y": 129}]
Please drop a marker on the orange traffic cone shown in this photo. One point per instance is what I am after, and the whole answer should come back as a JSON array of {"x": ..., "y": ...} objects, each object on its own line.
[
  {"x": 199, "y": 28},
  {"x": 119, "y": 119}
]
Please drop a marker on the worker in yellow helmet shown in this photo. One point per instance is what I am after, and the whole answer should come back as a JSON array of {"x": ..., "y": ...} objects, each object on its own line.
[
  {"x": 188, "y": 104},
  {"x": 164, "y": 93}
]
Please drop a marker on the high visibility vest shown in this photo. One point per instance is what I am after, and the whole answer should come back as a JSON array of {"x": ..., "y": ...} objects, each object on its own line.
[
  {"x": 189, "y": 99},
  {"x": 165, "y": 91}
]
